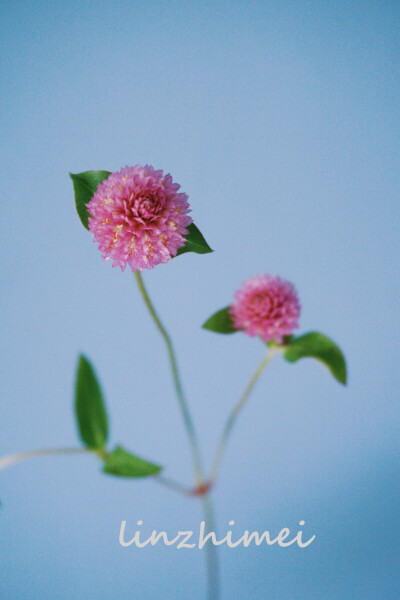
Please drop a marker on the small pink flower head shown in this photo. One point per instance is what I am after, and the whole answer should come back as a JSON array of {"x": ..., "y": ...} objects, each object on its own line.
[
  {"x": 139, "y": 218},
  {"x": 266, "y": 306}
]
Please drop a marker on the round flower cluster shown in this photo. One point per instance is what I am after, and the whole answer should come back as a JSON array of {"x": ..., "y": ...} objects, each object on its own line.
[
  {"x": 266, "y": 306},
  {"x": 139, "y": 218}
]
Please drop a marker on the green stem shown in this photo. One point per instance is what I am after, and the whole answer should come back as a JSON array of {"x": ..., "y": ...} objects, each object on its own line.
[
  {"x": 236, "y": 409},
  {"x": 212, "y": 566},
  {"x": 177, "y": 382}
]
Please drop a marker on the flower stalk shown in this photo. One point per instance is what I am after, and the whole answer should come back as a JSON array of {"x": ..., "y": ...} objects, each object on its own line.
[
  {"x": 203, "y": 487},
  {"x": 272, "y": 350},
  {"x": 177, "y": 382}
]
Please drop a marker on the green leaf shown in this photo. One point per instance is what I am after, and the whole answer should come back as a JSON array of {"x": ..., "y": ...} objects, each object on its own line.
[
  {"x": 221, "y": 322},
  {"x": 85, "y": 185},
  {"x": 195, "y": 242},
  {"x": 89, "y": 406},
  {"x": 316, "y": 345},
  {"x": 124, "y": 464}
]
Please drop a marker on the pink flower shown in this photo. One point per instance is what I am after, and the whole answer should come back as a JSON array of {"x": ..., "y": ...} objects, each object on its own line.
[
  {"x": 266, "y": 306},
  {"x": 139, "y": 218}
]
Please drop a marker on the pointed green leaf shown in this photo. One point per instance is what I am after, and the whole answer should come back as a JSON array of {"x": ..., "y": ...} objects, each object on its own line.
[
  {"x": 89, "y": 406},
  {"x": 124, "y": 464},
  {"x": 316, "y": 345},
  {"x": 85, "y": 185},
  {"x": 221, "y": 322},
  {"x": 195, "y": 242}
]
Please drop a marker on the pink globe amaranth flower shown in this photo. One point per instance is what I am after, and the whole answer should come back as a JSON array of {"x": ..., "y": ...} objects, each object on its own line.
[
  {"x": 266, "y": 306},
  {"x": 139, "y": 218}
]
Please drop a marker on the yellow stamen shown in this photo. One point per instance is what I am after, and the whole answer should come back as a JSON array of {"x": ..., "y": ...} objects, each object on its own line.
[{"x": 132, "y": 247}]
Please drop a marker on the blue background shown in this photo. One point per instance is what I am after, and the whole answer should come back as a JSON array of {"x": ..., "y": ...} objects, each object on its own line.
[{"x": 280, "y": 120}]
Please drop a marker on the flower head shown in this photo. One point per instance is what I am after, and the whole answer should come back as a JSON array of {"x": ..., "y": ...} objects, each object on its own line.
[
  {"x": 138, "y": 217},
  {"x": 266, "y": 306}
]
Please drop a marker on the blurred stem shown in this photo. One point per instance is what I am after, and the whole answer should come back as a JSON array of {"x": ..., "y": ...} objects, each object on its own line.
[
  {"x": 236, "y": 410},
  {"x": 173, "y": 485},
  {"x": 6, "y": 461},
  {"x": 177, "y": 382},
  {"x": 211, "y": 550}
]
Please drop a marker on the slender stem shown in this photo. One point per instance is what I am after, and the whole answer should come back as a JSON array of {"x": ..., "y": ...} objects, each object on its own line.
[
  {"x": 177, "y": 382},
  {"x": 212, "y": 565},
  {"x": 6, "y": 461},
  {"x": 173, "y": 485},
  {"x": 211, "y": 550},
  {"x": 236, "y": 409}
]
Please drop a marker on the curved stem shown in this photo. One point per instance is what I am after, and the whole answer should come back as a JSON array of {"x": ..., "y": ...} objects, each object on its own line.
[
  {"x": 212, "y": 566},
  {"x": 6, "y": 461},
  {"x": 236, "y": 409},
  {"x": 177, "y": 382}
]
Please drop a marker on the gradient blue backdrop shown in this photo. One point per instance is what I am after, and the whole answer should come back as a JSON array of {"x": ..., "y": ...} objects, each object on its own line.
[{"x": 280, "y": 120}]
